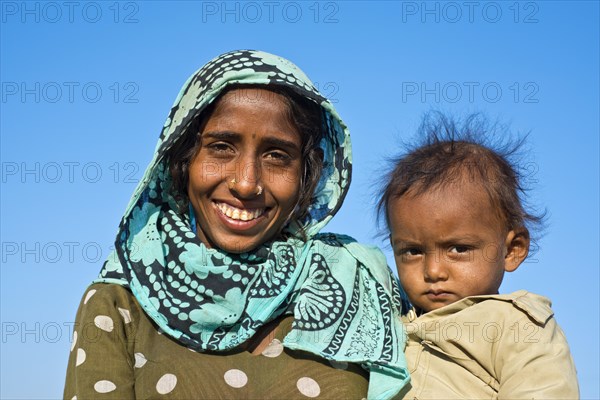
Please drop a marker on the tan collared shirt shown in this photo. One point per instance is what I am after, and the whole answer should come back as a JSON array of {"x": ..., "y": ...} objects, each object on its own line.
[{"x": 489, "y": 347}]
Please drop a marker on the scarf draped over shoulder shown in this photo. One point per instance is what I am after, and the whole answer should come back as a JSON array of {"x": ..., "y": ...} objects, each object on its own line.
[{"x": 345, "y": 302}]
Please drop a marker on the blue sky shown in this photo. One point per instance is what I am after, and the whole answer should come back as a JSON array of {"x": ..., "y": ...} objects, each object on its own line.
[{"x": 86, "y": 87}]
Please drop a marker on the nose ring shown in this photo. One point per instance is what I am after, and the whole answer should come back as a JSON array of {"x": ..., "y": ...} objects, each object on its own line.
[{"x": 231, "y": 185}]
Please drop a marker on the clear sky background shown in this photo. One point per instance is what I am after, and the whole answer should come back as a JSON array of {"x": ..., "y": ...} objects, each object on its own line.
[{"x": 86, "y": 87}]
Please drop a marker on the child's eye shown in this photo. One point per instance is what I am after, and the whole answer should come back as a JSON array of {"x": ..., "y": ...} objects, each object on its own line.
[
  {"x": 412, "y": 252},
  {"x": 409, "y": 252},
  {"x": 459, "y": 249}
]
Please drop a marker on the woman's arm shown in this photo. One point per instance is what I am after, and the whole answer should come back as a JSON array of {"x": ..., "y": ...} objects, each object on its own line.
[{"x": 102, "y": 357}]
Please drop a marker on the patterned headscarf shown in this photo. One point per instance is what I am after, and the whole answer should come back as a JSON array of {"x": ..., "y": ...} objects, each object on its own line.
[{"x": 344, "y": 300}]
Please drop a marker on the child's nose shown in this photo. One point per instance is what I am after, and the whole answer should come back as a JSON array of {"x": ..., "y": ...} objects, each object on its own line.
[{"x": 435, "y": 268}]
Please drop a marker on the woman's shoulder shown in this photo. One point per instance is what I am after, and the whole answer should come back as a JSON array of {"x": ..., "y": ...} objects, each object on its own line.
[
  {"x": 369, "y": 257},
  {"x": 102, "y": 291},
  {"x": 343, "y": 247},
  {"x": 106, "y": 300},
  {"x": 367, "y": 254}
]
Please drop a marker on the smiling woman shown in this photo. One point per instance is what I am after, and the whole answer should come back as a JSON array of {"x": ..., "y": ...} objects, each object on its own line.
[
  {"x": 219, "y": 252},
  {"x": 257, "y": 150}
]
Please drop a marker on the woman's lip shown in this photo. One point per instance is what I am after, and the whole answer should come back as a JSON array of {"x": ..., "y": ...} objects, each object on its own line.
[
  {"x": 237, "y": 224},
  {"x": 239, "y": 205}
]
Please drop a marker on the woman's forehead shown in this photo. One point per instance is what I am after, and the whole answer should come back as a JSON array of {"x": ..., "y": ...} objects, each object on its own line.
[{"x": 251, "y": 96}]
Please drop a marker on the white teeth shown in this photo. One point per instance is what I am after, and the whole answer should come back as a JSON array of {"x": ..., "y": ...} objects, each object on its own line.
[{"x": 240, "y": 214}]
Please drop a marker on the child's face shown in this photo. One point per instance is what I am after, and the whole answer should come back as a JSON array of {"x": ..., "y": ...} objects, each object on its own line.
[{"x": 449, "y": 243}]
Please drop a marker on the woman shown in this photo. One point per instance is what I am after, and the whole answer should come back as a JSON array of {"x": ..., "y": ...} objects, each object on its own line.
[{"x": 219, "y": 253}]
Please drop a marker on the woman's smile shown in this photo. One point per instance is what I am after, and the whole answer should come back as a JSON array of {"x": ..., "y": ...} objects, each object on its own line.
[
  {"x": 240, "y": 219},
  {"x": 239, "y": 214}
]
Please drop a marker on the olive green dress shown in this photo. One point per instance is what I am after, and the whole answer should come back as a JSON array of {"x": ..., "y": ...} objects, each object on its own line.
[{"x": 117, "y": 352}]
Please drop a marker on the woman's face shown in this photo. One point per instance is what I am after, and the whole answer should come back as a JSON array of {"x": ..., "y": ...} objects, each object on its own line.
[{"x": 244, "y": 182}]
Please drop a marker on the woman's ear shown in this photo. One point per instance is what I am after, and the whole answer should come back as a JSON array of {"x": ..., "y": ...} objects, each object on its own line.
[{"x": 517, "y": 248}]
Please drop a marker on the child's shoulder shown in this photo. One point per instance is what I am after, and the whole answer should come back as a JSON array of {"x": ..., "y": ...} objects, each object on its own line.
[
  {"x": 512, "y": 306},
  {"x": 500, "y": 308}
]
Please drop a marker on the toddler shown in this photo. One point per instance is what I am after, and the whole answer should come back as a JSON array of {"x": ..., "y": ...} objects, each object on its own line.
[{"x": 457, "y": 224}]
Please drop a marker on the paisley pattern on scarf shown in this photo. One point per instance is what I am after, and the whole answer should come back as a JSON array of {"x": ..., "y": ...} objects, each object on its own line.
[{"x": 345, "y": 306}]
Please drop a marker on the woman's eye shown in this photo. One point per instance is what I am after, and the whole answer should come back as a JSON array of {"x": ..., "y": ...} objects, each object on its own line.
[
  {"x": 279, "y": 156},
  {"x": 219, "y": 147}
]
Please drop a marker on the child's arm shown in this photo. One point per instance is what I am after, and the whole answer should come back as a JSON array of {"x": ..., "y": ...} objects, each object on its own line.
[{"x": 534, "y": 360}]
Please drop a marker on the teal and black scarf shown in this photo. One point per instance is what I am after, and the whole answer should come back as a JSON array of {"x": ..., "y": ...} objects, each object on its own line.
[{"x": 344, "y": 300}]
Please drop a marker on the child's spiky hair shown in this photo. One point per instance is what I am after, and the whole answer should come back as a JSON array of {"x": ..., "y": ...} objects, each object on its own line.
[{"x": 449, "y": 151}]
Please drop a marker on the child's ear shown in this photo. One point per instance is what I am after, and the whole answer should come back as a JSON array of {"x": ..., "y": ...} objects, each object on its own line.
[{"x": 517, "y": 248}]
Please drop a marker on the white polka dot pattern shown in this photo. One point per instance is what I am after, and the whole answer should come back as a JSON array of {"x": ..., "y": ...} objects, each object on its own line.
[
  {"x": 104, "y": 386},
  {"x": 274, "y": 349},
  {"x": 89, "y": 295},
  {"x": 104, "y": 322},
  {"x": 125, "y": 314},
  {"x": 339, "y": 364},
  {"x": 236, "y": 378},
  {"x": 140, "y": 360},
  {"x": 166, "y": 384},
  {"x": 80, "y": 357},
  {"x": 74, "y": 340},
  {"x": 308, "y": 387}
]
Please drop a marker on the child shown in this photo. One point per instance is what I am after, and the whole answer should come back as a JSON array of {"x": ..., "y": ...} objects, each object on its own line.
[{"x": 456, "y": 225}]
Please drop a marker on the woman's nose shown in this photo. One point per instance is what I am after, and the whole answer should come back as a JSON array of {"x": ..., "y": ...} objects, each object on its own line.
[
  {"x": 435, "y": 268},
  {"x": 247, "y": 181}
]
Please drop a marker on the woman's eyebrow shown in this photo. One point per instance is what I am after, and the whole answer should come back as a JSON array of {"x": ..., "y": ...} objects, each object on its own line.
[
  {"x": 221, "y": 135},
  {"x": 279, "y": 142},
  {"x": 273, "y": 141}
]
